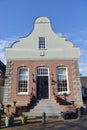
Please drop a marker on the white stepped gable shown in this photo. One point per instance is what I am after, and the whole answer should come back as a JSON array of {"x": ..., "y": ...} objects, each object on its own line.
[{"x": 56, "y": 47}]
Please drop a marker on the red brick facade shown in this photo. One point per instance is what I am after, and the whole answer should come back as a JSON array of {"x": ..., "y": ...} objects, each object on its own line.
[
  {"x": 42, "y": 65},
  {"x": 32, "y": 65}
]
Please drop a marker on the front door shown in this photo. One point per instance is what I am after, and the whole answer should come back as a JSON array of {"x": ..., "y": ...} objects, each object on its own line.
[
  {"x": 42, "y": 87},
  {"x": 42, "y": 83}
]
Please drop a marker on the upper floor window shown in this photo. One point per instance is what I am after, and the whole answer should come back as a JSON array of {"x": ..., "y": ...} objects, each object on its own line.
[
  {"x": 23, "y": 80},
  {"x": 62, "y": 79},
  {"x": 42, "y": 44}
]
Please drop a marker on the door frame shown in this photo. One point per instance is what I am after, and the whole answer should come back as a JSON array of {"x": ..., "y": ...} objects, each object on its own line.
[{"x": 40, "y": 67}]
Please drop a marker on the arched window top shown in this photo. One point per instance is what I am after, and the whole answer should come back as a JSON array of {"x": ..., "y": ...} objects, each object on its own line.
[
  {"x": 61, "y": 66},
  {"x": 61, "y": 70},
  {"x": 23, "y": 70},
  {"x": 42, "y": 71},
  {"x": 20, "y": 67}
]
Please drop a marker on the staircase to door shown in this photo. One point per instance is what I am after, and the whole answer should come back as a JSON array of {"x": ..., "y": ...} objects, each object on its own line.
[{"x": 44, "y": 105}]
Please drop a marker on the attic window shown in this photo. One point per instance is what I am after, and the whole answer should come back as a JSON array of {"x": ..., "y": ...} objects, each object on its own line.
[{"x": 42, "y": 44}]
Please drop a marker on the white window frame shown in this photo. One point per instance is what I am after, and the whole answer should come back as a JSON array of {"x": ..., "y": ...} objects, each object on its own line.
[
  {"x": 42, "y": 43},
  {"x": 44, "y": 74},
  {"x": 41, "y": 71},
  {"x": 23, "y": 93},
  {"x": 63, "y": 92}
]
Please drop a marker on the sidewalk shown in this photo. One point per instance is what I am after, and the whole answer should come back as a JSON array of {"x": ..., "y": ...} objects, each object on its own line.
[
  {"x": 31, "y": 123},
  {"x": 51, "y": 124}
]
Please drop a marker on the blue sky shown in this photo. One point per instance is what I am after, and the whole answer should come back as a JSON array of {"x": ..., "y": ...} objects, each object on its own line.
[{"x": 68, "y": 18}]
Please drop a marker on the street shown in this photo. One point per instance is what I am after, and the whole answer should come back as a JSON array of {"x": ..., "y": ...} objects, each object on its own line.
[{"x": 52, "y": 124}]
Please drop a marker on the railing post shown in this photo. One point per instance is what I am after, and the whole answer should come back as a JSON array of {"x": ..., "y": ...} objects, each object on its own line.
[{"x": 44, "y": 118}]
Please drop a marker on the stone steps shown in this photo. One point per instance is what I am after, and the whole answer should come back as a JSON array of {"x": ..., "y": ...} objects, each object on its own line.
[{"x": 45, "y": 105}]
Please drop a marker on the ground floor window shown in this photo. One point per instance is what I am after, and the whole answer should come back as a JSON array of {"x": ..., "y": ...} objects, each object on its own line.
[
  {"x": 23, "y": 80},
  {"x": 84, "y": 91},
  {"x": 62, "y": 79}
]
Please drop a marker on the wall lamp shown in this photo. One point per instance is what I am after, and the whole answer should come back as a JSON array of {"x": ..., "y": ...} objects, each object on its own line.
[
  {"x": 52, "y": 77},
  {"x": 0, "y": 72},
  {"x": 33, "y": 79},
  {"x": 52, "y": 80}
]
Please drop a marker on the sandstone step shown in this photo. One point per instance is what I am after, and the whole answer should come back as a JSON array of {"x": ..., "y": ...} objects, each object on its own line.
[
  {"x": 41, "y": 106},
  {"x": 41, "y": 114}
]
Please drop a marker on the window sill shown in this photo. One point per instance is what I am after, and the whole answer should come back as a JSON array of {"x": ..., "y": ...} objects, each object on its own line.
[
  {"x": 22, "y": 94},
  {"x": 42, "y": 49},
  {"x": 63, "y": 93}
]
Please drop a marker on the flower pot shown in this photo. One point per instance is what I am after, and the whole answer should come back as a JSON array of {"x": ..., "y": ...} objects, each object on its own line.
[
  {"x": 23, "y": 119},
  {"x": 9, "y": 120}
]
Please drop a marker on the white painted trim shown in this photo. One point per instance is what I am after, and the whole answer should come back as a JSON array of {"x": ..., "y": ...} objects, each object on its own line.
[
  {"x": 48, "y": 80},
  {"x": 67, "y": 80},
  {"x": 67, "y": 92},
  {"x": 22, "y": 93}
]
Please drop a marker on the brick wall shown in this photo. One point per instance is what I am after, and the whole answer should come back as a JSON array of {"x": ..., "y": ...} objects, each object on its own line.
[{"x": 32, "y": 65}]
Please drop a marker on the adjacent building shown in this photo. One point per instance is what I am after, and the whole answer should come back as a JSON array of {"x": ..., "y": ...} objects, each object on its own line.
[
  {"x": 2, "y": 73},
  {"x": 2, "y": 79},
  {"x": 84, "y": 88},
  {"x": 44, "y": 65}
]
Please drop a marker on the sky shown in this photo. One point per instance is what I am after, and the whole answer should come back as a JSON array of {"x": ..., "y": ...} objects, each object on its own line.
[{"x": 68, "y": 18}]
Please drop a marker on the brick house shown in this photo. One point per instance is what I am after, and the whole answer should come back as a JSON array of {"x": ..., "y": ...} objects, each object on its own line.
[{"x": 44, "y": 65}]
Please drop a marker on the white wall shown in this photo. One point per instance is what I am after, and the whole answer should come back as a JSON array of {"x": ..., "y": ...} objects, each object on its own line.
[{"x": 56, "y": 47}]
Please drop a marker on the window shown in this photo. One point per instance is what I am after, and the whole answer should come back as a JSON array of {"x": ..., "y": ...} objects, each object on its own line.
[
  {"x": 85, "y": 91},
  {"x": 23, "y": 80},
  {"x": 42, "y": 71},
  {"x": 42, "y": 44},
  {"x": 62, "y": 80}
]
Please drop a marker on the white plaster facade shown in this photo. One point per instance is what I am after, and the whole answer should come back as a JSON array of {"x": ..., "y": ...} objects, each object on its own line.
[{"x": 56, "y": 47}]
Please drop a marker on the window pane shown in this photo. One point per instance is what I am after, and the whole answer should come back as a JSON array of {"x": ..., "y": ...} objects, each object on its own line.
[
  {"x": 61, "y": 70},
  {"x": 42, "y": 71},
  {"x": 41, "y": 42},
  {"x": 22, "y": 80},
  {"x": 62, "y": 79},
  {"x": 85, "y": 90}
]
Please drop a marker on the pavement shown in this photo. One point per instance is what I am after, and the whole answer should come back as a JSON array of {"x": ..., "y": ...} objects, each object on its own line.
[{"x": 51, "y": 124}]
